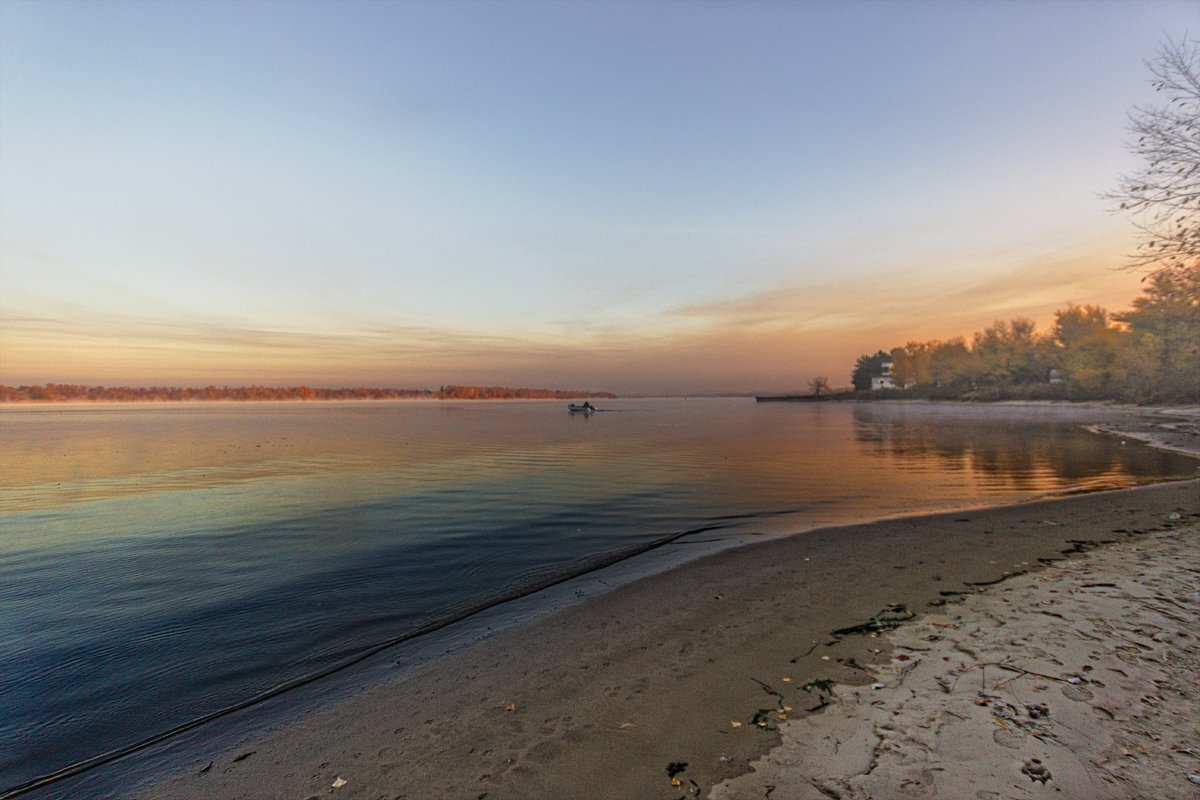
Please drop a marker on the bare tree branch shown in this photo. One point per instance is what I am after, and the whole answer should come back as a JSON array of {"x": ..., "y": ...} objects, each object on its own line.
[{"x": 1164, "y": 196}]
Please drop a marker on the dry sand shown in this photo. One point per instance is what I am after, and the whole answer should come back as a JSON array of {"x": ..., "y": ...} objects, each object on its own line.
[
  {"x": 1077, "y": 681},
  {"x": 726, "y": 675}
]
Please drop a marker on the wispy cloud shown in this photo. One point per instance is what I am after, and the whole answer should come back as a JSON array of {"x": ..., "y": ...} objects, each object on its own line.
[{"x": 768, "y": 340}]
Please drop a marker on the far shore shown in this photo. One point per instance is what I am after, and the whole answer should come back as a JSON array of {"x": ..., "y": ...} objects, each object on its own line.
[
  {"x": 731, "y": 674},
  {"x": 58, "y": 393}
]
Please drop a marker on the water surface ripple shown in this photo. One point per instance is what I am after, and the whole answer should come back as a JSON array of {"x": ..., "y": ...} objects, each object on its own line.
[{"x": 162, "y": 564}]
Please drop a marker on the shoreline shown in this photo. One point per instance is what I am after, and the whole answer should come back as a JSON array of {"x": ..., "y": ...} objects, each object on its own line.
[
  {"x": 688, "y": 666},
  {"x": 1120, "y": 726},
  {"x": 238, "y": 771},
  {"x": 1078, "y": 681}
]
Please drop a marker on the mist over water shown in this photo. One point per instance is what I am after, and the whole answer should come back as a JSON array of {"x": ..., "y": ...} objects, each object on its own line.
[{"x": 161, "y": 563}]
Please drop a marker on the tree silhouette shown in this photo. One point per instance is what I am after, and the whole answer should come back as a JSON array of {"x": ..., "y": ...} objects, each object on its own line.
[{"x": 1164, "y": 195}]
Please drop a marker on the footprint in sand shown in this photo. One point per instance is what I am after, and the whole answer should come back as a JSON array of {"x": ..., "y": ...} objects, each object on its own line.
[
  {"x": 1008, "y": 738},
  {"x": 1129, "y": 655},
  {"x": 1078, "y": 693}
]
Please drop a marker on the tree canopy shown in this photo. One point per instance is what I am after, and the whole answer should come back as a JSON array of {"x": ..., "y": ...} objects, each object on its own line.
[{"x": 1147, "y": 354}]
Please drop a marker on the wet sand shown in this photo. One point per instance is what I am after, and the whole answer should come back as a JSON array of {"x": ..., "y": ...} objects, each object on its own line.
[{"x": 672, "y": 685}]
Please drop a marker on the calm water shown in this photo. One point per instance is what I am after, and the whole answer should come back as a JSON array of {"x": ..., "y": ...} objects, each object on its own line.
[{"x": 161, "y": 563}]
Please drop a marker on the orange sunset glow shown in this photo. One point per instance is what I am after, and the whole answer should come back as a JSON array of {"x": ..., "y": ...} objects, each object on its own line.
[{"x": 479, "y": 203}]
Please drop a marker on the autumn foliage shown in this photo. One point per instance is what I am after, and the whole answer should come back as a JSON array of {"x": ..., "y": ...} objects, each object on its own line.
[{"x": 1148, "y": 354}]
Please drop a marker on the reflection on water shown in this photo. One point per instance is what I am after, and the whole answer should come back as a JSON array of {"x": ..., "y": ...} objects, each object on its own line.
[
  {"x": 158, "y": 563},
  {"x": 1002, "y": 447}
]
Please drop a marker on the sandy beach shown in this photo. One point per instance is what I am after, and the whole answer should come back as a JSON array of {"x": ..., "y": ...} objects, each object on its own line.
[
  {"x": 1076, "y": 681},
  {"x": 1035, "y": 650}
]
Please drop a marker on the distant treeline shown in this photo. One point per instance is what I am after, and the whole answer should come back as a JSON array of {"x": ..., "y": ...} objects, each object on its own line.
[
  {"x": 1148, "y": 354},
  {"x": 65, "y": 392}
]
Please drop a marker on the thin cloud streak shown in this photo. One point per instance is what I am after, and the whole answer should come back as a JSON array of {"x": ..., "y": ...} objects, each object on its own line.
[{"x": 764, "y": 341}]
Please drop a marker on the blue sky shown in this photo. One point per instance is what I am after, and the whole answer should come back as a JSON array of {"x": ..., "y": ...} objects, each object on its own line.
[{"x": 635, "y": 196}]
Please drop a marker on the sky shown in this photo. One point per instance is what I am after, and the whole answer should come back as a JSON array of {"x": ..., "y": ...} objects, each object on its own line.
[{"x": 651, "y": 197}]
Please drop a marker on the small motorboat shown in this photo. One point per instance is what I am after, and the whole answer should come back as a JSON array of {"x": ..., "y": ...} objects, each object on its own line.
[{"x": 586, "y": 408}]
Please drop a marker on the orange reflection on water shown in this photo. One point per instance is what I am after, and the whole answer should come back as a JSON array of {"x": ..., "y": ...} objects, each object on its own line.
[{"x": 732, "y": 455}]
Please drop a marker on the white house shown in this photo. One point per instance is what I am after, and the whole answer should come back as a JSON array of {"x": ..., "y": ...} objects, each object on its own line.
[{"x": 884, "y": 379}]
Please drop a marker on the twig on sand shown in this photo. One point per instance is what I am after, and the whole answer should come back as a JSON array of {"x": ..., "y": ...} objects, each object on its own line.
[
  {"x": 768, "y": 688},
  {"x": 807, "y": 653},
  {"x": 982, "y": 665}
]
